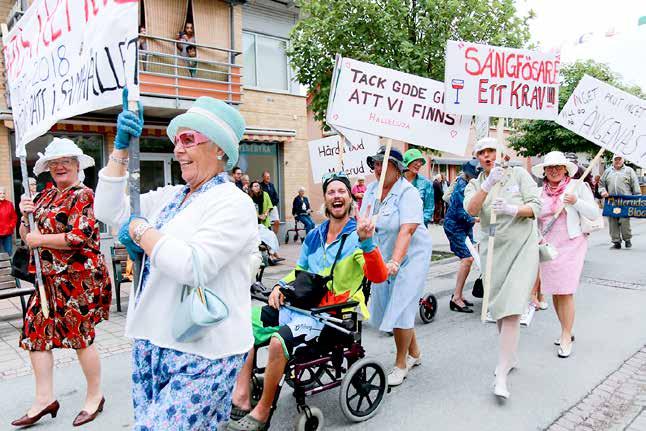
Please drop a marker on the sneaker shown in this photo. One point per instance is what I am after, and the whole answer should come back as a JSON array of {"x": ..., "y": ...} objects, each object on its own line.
[
  {"x": 616, "y": 245},
  {"x": 543, "y": 305},
  {"x": 629, "y": 244},
  {"x": 396, "y": 376},
  {"x": 412, "y": 361}
]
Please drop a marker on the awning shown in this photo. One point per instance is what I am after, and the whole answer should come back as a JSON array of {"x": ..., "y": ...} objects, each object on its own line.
[{"x": 254, "y": 134}]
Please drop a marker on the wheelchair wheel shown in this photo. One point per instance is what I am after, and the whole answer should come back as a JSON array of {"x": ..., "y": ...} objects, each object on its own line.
[
  {"x": 362, "y": 390},
  {"x": 428, "y": 308},
  {"x": 310, "y": 419}
]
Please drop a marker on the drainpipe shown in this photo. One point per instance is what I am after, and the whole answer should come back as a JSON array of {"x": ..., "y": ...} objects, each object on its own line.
[{"x": 232, "y": 57}]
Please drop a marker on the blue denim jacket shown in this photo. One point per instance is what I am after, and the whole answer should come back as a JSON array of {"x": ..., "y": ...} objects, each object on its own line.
[{"x": 425, "y": 188}]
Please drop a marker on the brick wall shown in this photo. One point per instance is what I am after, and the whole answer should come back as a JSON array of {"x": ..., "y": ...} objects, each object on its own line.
[{"x": 282, "y": 111}]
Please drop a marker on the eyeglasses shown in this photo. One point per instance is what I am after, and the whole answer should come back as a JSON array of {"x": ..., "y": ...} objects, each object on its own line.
[
  {"x": 66, "y": 163},
  {"x": 190, "y": 138},
  {"x": 333, "y": 176}
]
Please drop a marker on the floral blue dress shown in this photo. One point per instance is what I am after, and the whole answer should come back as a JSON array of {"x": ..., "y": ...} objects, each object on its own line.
[{"x": 173, "y": 390}]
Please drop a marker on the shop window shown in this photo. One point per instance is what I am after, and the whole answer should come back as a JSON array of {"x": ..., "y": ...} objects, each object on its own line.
[
  {"x": 265, "y": 61},
  {"x": 255, "y": 158}
]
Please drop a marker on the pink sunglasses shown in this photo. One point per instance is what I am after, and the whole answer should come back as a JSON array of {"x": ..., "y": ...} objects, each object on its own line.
[{"x": 190, "y": 138}]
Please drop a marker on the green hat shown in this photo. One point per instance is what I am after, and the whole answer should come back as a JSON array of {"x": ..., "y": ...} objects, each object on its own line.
[
  {"x": 216, "y": 120},
  {"x": 413, "y": 154}
]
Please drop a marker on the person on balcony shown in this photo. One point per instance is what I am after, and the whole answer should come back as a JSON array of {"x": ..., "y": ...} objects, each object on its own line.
[
  {"x": 142, "y": 45},
  {"x": 185, "y": 39},
  {"x": 192, "y": 64}
]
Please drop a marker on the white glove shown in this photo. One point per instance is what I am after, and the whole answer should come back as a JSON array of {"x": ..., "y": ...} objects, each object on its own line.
[
  {"x": 500, "y": 206},
  {"x": 493, "y": 178}
]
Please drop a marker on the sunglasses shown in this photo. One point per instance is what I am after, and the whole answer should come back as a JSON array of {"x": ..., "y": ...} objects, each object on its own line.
[
  {"x": 190, "y": 138},
  {"x": 330, "y": 176},
  {"x": 66, "y": 163}
]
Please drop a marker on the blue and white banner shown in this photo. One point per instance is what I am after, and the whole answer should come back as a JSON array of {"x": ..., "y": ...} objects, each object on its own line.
[{"x": 625, "y": 206}]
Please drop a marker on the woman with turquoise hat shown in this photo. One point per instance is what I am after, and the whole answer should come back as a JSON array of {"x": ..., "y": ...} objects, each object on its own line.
[
  {"x": 414, "y": 160},
  {"x": 207, "y": 226}
]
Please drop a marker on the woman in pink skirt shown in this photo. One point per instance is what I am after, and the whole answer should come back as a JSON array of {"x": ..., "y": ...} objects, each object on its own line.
[{"x": 560, "y": 276}]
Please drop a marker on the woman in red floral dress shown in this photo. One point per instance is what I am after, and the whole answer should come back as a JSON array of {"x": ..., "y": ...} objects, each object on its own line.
[{"x": 75, "y": 278}]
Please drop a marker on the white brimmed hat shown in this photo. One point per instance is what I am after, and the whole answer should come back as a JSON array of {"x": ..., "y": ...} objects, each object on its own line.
[
  {"x": 554, "y": 158},
  {"x": 484, "y": 144},
  {"x": 59, "y": 148}
]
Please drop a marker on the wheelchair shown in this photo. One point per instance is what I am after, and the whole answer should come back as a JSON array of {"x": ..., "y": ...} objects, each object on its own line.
[{"x": 334, "y": 359}]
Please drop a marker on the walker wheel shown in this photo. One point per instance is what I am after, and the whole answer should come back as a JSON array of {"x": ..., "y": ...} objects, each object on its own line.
[
  {"x": 362, "y": 390},
  {"x": 310, "y": 419},
  {"x": 287, "y": 238},
  {"x": 428, "y": 308}
]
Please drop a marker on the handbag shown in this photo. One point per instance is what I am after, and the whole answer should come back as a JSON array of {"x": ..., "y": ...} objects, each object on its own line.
[
  {"x": 308, "y": 289},
  {"x": 591, "y": 225},
  {"x": 478, "y": 288},
  {"x": 547, "y": 252},
  {"x": 20, "y": 265},
  {"x": 199, "y": 310}
]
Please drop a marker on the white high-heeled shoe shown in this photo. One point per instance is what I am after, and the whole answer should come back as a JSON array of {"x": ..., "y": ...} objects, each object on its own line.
[{"x": 500, "y": 390}]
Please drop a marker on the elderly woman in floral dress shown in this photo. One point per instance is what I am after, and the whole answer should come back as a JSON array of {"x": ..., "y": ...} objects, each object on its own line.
[{"x": 75, "y": 277}]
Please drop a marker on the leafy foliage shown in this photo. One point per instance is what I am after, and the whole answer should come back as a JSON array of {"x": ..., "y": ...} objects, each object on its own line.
[
  {"x": 406, "y": 35},
  {"x": 540, "y": 137}
]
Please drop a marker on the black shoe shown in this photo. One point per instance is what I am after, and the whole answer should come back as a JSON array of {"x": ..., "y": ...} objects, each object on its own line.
[
  {"x": 467, "y": 303},
  {"x": 455, "y": 307},
  {"x": 616, "y": 245},
  {"x": 629, "y": 244}
]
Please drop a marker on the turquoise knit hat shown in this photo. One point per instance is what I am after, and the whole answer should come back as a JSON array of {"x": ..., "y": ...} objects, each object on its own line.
[{"x": 216, "y": 120}]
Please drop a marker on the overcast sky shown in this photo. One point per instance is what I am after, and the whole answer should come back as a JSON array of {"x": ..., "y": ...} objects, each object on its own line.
[{"x": 560, "y": 23}]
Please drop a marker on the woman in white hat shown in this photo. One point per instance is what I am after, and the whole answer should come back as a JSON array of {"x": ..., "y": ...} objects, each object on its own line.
[
  {"x": 560, "y": 276},
  {"x": 515, "y": 264},
  {"x": 75, "y": 278}
]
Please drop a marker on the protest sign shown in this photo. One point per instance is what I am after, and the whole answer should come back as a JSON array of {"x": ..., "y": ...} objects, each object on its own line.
[
  {"x": 385, "y": 102},
  {"x": 501, "y": 82},
  {"x": 625, "y": 206},
  {"x": 63, "y": 61},
  {"x": 609, "y": 117},
  {"x": 325, "y": 157}
]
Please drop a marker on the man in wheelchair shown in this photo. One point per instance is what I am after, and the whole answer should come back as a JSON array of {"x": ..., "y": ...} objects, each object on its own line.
[{"x": 342, "y": 245}]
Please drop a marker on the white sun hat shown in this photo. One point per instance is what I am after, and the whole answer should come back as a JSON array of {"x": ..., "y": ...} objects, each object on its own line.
[
  {"x": 484, "y": 144},
  {"x": 59, "y": 148},
  {"x": 554, "y": 158}
]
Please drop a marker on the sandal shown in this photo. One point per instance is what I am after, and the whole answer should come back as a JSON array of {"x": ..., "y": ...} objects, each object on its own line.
[
  {"x": 247, "y": 423},
  {"x": 237, "y": 413}
]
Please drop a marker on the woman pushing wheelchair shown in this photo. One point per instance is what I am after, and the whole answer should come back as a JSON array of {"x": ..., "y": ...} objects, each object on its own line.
[{"x": 341, "y": 250}]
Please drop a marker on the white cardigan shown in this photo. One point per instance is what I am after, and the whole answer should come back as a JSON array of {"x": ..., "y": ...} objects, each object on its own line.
[
  {"x": 221, "y": 224},
  {"x": 584, "y": 205}
]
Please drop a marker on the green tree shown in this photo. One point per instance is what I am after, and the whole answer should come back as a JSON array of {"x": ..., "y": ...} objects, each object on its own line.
[
  {"x": 406, "y": 35},
  {"x": 533, "y": 138}
]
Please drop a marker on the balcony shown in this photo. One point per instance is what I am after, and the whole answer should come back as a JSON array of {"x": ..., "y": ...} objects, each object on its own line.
[{"x": 168, "y": 79}]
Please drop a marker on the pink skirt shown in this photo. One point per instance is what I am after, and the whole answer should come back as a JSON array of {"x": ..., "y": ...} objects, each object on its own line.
[{"x": 562, "y": 275}]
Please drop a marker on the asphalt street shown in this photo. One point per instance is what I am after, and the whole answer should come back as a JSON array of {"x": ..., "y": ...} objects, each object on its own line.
[{"x": 452, "y": 389}]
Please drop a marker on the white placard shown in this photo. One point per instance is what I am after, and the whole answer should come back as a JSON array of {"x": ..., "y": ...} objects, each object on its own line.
[
  {"x": 385, "y": 102},
  {"x": 63, "y": 60},
  {"x": 501, "y": 82},
  {"x": 324, "y": 154},
  {"x": 609, "y": 117}
]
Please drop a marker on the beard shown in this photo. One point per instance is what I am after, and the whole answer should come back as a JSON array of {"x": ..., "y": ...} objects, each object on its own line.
[{"x": 329, "y": 210}]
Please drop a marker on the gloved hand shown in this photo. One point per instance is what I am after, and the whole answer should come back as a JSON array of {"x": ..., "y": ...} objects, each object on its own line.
[
  {"x": 124, "y": 238},
  {"x": 500, "y": 206},
  {"x": 493, "y": 178},
  {"x": 129, "y": 124}
]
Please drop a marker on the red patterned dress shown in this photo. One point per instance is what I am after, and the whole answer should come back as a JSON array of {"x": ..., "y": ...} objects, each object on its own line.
[{"x": 76, "y": 281}]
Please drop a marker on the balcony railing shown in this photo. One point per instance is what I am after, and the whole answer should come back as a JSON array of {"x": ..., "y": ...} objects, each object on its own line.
[{"x": 165, "y": 72}]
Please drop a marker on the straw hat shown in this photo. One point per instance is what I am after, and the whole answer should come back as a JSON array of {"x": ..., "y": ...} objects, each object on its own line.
[
  {"x": 484, "y": 144},
  {"x": 554, "y": 158},
  {"x": 59, "y": 148}
]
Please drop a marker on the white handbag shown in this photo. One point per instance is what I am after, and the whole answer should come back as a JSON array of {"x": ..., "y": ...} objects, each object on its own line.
[{"x": 589, "y": 226}]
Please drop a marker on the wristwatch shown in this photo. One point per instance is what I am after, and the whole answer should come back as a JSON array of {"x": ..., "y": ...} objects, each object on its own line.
[{"x": 139, "y": 232}]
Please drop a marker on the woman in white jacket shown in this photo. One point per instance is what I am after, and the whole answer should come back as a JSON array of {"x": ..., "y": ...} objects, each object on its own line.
[
  {"x": 185, "y": 385},
  {"x": 560, "y": 277}
]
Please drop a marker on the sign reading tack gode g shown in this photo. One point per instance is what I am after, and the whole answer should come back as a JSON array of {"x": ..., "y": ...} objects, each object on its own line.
[
  {"x": 625, "y": 206},
  {"x": 392, "y": 104},
  {"x": 609, "y": 117},
  {"x": 65, "y": 58},
  {"x": 501, "y": 82}
]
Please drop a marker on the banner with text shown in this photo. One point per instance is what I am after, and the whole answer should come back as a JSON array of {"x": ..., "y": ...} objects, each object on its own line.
[
  {"x": 63, "y": 61},
  {"x": 609, "y": 117},
  {"x": 625, "y": 206},
  {"x": 325, "y": 158},
  {"x": 385, "y": 102},
  {"x": 501, "y": 82}
]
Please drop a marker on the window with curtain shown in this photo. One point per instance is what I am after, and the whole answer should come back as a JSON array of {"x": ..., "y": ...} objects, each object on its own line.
[{"x": 265, "y": 62}]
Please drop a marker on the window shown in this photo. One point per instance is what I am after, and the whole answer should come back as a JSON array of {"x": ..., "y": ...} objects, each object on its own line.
[{"x": 265, "y": 61}]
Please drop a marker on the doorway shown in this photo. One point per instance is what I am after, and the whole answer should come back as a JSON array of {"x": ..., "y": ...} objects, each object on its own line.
[{"x": 159, "y": 170}]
